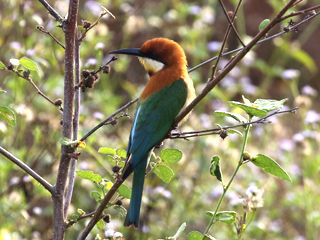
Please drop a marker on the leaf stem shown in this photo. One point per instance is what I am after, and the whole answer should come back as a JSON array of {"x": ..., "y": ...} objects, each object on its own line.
[{"x": 225, "y": 189}]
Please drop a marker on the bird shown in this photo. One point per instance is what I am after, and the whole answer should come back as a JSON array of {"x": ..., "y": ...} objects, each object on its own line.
[{"x": 168, "y": 90}]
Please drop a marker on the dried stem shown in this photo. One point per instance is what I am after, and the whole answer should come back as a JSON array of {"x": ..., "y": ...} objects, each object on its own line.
[{"x": 41, "y": 29}]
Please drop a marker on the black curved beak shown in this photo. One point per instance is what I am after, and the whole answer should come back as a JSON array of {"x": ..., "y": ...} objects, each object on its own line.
[{"x": 129, "y": 51}]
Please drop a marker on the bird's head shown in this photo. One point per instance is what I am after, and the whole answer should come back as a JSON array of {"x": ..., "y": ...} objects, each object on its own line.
[{"x": 156, "y": 54}]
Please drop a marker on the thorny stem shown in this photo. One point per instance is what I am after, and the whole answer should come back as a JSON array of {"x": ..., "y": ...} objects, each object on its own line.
[{"x": 225, "y": 189}]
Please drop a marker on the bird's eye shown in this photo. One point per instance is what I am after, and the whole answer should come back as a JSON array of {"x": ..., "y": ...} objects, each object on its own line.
[{"x": 154, "y": 55}]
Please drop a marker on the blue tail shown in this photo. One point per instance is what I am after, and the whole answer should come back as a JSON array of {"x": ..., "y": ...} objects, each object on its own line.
[{"x": 135, "y": 202}]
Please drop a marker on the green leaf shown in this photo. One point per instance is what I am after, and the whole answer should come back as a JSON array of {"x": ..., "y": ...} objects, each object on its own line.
[
  {"x": 2, "y": 91},
  {"x": 171, "y": 155},
  {"x": 124, "y": 191},
  {"x": 67, "y": 142},
  {"x": 195, "y": 235},
  {"x": 2, "y": 66},
  {"x": 180, "y": 230},
  {"x": 96, "y": 195},
  {"x": 235, "y": 131},
  {"x": 29, "y": 64},
  {"x": 122, "y": 212},
  {"x": 74, "y": 217},
  {"x": 100, "y": 224},
  {"x": 106, "y": 150},
  {"x": 107, "y": 11},
  {"x": 305, "y": 59},
  {"x": 215, "y": 168},
  {"x": 7, "y": 115},
  {"x": 81, "y": 28},
  {"x": 250, "y": 110},
  {"x": 270, "y": 166},
  {"x": 80, "y": 211},
  {"x": 269, "y": 105},
  {"x": 208, "y": 237},
  {"x": 227, "y": 217},
  {"x": 121, "y": 153},
  {"x": 163, "y": 172},
  {"x": 235, "y": 116},
  {"x": 89, "y": 175},
  {"x": 263, "y": 24}
]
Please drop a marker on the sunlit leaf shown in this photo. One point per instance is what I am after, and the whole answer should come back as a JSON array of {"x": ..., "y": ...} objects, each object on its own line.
[
  {"x": 235, "y": 116},
  {"x": 106, "y": 150},
  {"x": 252, "y": 111},
  {"x": 227, "y": 217},
  {"x": 270, "y": 166},
  {"x": 7, "y": 115},
  {"x": 84, "y": 174},
  {"x": 121, "y": 153},
  {"x": 180, "y": 230},
  {"x": 269, "y": 104},
  {"x": 163, "y": 172},
  {"x": 171, "y": 155},
  {"x": 100, "y": 224},
  {"x": 96, "y": 195},
  {"x": 29, "y": 64},
  {"x": 124, "y": 191},
  {"x": 2, "y": 66},
  {"x": 215, "y": 168},
  {"x": 2, "y": 91},
  {"x": 195, "y": 235},
  {"x": 235, "y": 131},
  {"x": 208, "y": 237},
  {"x": 263, "y": 24},
  {"x": 122, "y": 212},
  {"x": 80, "y": 211}
]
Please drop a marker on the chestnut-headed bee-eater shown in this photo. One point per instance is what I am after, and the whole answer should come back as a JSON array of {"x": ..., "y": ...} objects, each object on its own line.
[{"x": 168, "y": 90}]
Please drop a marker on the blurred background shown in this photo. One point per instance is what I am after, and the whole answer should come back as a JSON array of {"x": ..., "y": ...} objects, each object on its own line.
[{"x": 285, "y": 67}]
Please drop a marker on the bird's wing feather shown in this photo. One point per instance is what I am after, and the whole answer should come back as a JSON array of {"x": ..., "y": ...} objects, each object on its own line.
[{"x": 154, "y": 118}]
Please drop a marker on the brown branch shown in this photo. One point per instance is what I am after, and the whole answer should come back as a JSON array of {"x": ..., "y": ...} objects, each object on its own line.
[
  {"x": 70, "y": 29},
  {"x": 52, "y": 11},
  {"x": 233, "y": 63},
  {"x": 36, "y": 87},
  {"x": 41, "y": 29},
  {"x": 108, "y": 119},
  {"x": 214, "y": 68},
  {"x": 71, "y": 222},
  {"x": 27, "y": 169},
  {"x": 232, "y": 21},
  {"x": 98, "y": 213},
  {"x": 300, "y": 12},
  {"x": 199, "y": 133}
]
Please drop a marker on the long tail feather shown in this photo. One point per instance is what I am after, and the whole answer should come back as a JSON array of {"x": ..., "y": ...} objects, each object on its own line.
[{"x": 135, "y": 202}]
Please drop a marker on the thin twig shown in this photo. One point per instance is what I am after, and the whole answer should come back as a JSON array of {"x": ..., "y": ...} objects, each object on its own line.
[
  {"x": 41, "y": 29},
  {"x": 71, "y": 222},
  {"x": 232, "y": 63},
  {"x": 300, "y": 12},
  {"x": 27, "y": 169},
  {"x": 52, "y": 11},
  {"x": 186, "y": 135},
  {"x": 215, "y": 66},
  {"x": 232, "y": 21},
  {"x": 108, "y": 119},
  {"x": 261, "y": 41},
  {"x": 98, "y": 212},
  {"x": 36, "y": 87}
]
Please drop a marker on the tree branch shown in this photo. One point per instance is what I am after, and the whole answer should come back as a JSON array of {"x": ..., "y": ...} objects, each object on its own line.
[
  {"x": 27, "y": 169},
  {"x": 52, "y": 11},
  {"x": 99, "y": 211}
]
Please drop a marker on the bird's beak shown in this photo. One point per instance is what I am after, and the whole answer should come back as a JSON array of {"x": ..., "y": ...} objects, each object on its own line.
[{"x": 129, "y": 51}]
